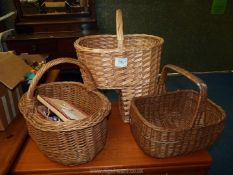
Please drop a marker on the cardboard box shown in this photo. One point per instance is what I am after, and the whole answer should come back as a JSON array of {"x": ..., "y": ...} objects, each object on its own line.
[
  {"x": 12, "y": 71},
  {"x": 32, "y": 58}
]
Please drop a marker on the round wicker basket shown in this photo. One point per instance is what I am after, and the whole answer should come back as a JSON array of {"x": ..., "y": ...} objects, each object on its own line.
[{"x": 71, "y": 142}]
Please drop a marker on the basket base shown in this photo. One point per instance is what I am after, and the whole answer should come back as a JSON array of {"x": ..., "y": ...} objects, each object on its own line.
[
  {"x": 73, "y": 153},
  {"x": 127, "y": 94}
]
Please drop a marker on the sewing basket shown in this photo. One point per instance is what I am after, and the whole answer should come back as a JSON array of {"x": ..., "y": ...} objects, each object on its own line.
[
  {"x": 175, "y": 123},
  {"x": 71, "y": 142},
  {"x": 130, "y": 62}
]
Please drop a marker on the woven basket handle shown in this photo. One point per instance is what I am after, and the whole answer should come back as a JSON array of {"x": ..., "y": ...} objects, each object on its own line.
[
  {"x": 119, "y": 28},
  {"x": 89, "y": 83},
  {"x": 202, "y": 88}
]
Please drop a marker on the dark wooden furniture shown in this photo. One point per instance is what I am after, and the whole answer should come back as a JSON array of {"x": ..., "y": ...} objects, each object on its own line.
[
  {"x": 51, "y": 32},
  {"x": 11, "y": 140},
  {"x": 120, "y": 155}
]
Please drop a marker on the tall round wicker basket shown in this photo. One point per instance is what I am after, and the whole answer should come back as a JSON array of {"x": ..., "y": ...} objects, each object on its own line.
[
  {"x": 70, "y": 142},
  {"x": 122, "y": 61}
]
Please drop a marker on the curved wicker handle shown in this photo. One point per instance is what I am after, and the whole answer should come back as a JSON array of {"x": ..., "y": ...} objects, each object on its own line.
[
  {"x": 90, "y": 83},
  {"x": 119, "y": 28},
  {"x": 202, "y": 88}
]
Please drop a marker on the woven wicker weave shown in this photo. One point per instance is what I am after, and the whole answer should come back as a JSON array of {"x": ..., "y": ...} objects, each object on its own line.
[
  {"x": 72, "y": 142},
  {"x": 175, "y": 123},
  {"x": 143, "y": 52}
]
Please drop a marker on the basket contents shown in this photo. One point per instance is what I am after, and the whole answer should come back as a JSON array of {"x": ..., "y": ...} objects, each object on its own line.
[
  {"x": 62, "y": 109},
  {"x": 47, "y": 114},
  {"x": 175, "y": 123},
  {"x": 70, "y": 142},
  {"x": 120, "y": 61}
]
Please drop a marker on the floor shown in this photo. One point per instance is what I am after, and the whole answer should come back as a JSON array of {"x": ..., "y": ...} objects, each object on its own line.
[{"x": 221, "y": 92}]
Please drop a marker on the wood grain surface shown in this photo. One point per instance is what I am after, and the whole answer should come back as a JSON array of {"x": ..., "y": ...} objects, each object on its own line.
[
  {"x": 121, "y": 155},
  {"x": 11, "y": 141}
]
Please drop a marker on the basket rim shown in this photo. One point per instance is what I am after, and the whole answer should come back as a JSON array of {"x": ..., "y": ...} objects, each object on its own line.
[
  {"x": 147, "y": 123},
  {"x": 78, "y": 47},
  {"x": 46, "y": 125}
]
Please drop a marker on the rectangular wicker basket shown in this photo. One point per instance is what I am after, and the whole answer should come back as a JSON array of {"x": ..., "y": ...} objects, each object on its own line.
[{"x": 175, "y": 123}]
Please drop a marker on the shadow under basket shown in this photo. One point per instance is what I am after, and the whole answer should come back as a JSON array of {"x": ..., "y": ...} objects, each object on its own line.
[
  {"x": 175, "y": 123},
  {"x": 70, "y": 142}
]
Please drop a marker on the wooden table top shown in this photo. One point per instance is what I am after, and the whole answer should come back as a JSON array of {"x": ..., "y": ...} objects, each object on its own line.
[
  {"x": 11, "y": 140},
  {"x": 120, "y": 153}
]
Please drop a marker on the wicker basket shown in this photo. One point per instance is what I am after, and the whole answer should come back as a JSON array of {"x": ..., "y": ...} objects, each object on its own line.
[
  {"x": 175, "y": 123},
  {"x": 126, "y": 95},
  {"x": 106, "y": 55},
  {"x": 71, "y": 142}
]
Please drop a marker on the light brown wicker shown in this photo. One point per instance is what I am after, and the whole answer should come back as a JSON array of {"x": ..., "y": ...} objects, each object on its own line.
[
  {"x": 71, "y": 142},
  {"x": 126, "y": 95},
  {"x": 175, "y": 123},
  {"x": 143, "y": 52}
]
